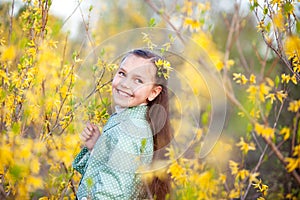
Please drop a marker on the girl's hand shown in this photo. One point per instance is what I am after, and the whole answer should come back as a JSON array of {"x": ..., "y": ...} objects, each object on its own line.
[{"x": 90, "y": 135}]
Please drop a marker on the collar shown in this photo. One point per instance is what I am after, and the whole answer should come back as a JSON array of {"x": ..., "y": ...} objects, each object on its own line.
[{"x": 137, "y": 112}]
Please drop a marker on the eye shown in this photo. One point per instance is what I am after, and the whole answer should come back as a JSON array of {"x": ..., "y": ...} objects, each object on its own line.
[
  {"x": 139, "y": 81},
  {"x": 120, "y": 73}
]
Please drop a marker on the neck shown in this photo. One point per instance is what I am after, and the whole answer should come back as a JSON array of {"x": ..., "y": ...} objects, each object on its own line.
[{"x": 119, "y": 109}]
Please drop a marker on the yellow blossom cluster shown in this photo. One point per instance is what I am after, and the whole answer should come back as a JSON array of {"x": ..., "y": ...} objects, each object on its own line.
[
  {"x": 287, "y": 78},
  {"x": 261, "y": 188},
  {"x": 262, "y": 91},
  {"x": 245, "y": 147},
  {"x": 294, "y": 106},
  {"x": 286, "y": 132},
  {"x": 191, "y": 179},
  {"x": 241, "y": 175},
  {"x": 38, "y": 97},
  {"x": 20, "y": 163},
  {"x": 294, "y": 162},
  {"x": 193, "y": 17},
  {"x": 292, "y": 49},
  {"x": 264, "y": 131}
]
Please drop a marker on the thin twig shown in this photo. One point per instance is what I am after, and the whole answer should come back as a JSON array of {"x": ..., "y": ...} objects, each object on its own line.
[
  {"x": 295, "y": 129},
  {"x": 229, "y": 38},
  {"x": 260, "y": 160},
  {"x": 67, "y": 19},
  {"x": 165, "y": 18},
  {"x": 11, "y": 21},
  {"x": 241, "y": 56}
]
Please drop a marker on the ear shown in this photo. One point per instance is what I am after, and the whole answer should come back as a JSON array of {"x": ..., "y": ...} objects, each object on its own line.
[{"x": 154, "y": 92}]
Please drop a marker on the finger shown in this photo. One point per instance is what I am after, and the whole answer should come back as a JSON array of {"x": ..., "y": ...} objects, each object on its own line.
[
  {"x": 89, "y": 126},
  {"x": 82, "y": 137},
  {"x": 95, "y": 128},
  {"x": 87, "y": 131},
  {"x": 86, "y": 134}
]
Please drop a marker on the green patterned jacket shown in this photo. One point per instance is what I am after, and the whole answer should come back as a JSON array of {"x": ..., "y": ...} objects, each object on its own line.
[{"x": 109, "y": 171}]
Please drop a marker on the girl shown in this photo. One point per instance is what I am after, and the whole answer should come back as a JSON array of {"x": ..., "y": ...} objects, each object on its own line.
[{"x": 133, "y": 137}]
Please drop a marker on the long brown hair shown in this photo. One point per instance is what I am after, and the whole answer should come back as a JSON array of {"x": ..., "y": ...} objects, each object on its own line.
[{"x": 158, "y": 118}]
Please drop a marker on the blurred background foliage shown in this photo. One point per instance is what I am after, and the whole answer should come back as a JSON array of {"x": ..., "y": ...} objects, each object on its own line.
[{"x": 53, "y": 81}]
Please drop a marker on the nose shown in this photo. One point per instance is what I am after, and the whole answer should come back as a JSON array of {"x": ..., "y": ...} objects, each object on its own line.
[{"x": 125, "y": 83}]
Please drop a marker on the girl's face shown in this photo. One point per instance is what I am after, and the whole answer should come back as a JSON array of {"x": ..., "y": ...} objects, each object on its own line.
[{"x": 134, "y": 82}]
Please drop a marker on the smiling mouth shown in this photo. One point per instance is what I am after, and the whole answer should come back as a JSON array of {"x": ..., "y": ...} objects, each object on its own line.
[{"x": 123, "y": 93}]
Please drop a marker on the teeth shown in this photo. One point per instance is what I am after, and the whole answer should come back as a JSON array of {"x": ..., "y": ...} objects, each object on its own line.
[{"x": 123, "y": 93}]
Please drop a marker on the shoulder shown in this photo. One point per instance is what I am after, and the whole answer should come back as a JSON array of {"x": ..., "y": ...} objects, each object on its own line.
[{"x": 134, "y": 120}]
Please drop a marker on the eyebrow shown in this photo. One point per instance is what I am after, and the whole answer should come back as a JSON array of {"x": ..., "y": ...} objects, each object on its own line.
[
  {"x": 121, "y": 68},
  {"x": 134, "y": 74}
]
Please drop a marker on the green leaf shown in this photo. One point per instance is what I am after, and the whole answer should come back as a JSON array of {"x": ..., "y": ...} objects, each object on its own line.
[
  {"x": 105, "y": 101},
  {"x": 143, "y": 145},
  {"x": 254, "y": 5},
  {"x": 204, "y": 118},
  {"x": 16, "y": 172},
  {"x": 277, "y": 81},
  {"x": 91, "y": 8},
  {"x": 265, "y": 10},
  {"x": 268, "y": 107},
  {"x": 74, "y": 55},
  {"x": 268, "y": 27},
  {"x": 152, "y": 22},
  {"x": 298, "y": 27},
  {"x": 102, "y": 52},
  {"x": 288, "y": 8},
  {"x": 16, "y": 128},
  {"x": 249, "y": 127}
]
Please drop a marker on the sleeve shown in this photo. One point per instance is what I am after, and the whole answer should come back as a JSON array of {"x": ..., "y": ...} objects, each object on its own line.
[
  {"x": 80, "y": 161},
  {"x": 118, "y": 178}
]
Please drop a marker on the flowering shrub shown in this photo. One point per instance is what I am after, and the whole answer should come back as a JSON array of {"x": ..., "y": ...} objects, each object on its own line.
[{"x": 44, "y": 101}]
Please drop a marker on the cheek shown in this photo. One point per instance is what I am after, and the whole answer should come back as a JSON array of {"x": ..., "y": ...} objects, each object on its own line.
[
  {"x": 143, "y": 90},
  {"x": 115, "y": 82}
]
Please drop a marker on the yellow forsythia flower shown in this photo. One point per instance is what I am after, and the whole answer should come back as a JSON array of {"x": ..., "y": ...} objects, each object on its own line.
[
  {"x": 178, "y": 173},
  {"x": 271, "y": 96},
  {"x": 261, "y": 26},
  {"x": 35, "y": 165},
  {"x": 281, "y": 95},
  {"x": 261, "y": 187},
  {"x": 294, "y": 79},
  {"x": 293, "y": 163},
  {"x": 233, "y": 167},
  {"x": 229, "y": 63},
  {"x": 242, "y": 174},
  {"x": 263, "y": 91},
  {"x": 253, "y": 177},
  {"x": 252, "y": 79},
  {"x": 252, "y": 90},
  {"x": 192, "y": 23},
  {"x": 279, "y": 21},
  {"x": 222, "y": 178},
  {"x": 296, "y": 67},
  {"x": 245, "y": 147},
  {"x": 294, "y": 106},
  {"x": 285, "y": 78},
  {"x": 292, "y": 46},
  {"x": 240, "y": 78},
  {"x": 270, "y": 82},
  {"x": 264, "y": 131},
  {"x": 286, "y": 132},
  {"x": 8, "y": 54},
  {"x": 296, "y": 151}
]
